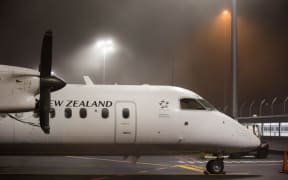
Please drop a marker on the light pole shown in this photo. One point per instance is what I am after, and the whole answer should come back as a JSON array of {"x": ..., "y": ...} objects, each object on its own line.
[
  {"x": 105, "y": 46},
  {"x": 225, "y": 13},
  {"x": 234, "y": 58}
]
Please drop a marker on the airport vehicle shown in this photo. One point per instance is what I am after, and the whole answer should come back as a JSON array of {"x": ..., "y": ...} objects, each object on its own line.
[{"x": 110, "y": 119}]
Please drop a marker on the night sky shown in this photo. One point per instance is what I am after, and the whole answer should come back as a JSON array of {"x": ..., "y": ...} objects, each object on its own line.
[{"x": 167, "y": 42}]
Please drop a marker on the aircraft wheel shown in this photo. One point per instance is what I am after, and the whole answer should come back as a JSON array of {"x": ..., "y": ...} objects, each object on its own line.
[
  {"x": 262, "y": 153},
  {"x": 215, "y": 166}
]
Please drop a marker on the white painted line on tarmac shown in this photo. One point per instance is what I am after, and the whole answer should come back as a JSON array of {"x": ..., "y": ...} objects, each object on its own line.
[
  {"x": 253, "y": 164},
  {"x": 144, "y": 171},
  {"x": 232, "y": 162},
  {"x": 113, "y": 160},
  {"x": 157, "y": 169},
  {"x": 190, "y": 162},
  {"x": 229, "y": 163},
  {"x": 199, "y": 162}
]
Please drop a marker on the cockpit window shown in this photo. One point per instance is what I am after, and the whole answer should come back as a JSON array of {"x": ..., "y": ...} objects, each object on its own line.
[
  {"x": 196, "y": 104},
  {"x": 206, "y": 104},
  {"x": 187, "y": 103}
]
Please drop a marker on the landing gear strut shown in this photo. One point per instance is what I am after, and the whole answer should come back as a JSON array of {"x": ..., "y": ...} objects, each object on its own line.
[{"x": 215, "y": 166}]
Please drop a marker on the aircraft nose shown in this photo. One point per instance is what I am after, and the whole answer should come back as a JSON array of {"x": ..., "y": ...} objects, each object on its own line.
[{"x": 254, "y": 141}]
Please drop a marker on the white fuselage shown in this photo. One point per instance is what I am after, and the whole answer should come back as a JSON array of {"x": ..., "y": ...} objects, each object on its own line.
[{"x": 136, "y": 120}]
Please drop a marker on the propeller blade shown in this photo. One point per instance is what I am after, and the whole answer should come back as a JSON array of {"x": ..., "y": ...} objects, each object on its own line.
[
  {"x": 46, "y": 55},
  {"x": 45, "y": 73},
  {"x": 44, "y": 109},
  {"x": 48, "y": 83}
]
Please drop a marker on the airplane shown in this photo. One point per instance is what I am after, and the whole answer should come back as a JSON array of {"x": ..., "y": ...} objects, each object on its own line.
[{"x": 128, "y": 120}]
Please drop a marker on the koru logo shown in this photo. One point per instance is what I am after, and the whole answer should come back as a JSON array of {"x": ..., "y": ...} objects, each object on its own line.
[{"x": 163, "y": 104}]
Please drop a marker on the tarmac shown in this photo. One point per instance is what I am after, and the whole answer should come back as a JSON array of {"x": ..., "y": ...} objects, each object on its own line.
[{"x": 147, "y": 167}]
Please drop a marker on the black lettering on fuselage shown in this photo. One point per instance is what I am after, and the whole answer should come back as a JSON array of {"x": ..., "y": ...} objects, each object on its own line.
[
  {"x": 102, "y": 103},
  {"x": 94, "y": 104},
  {"x": 75, "y": 103},
  {"x": 108, "y": 103},
  {"x": 58, "y": 103},
  {"x": 69, "y": 103},
  {"x": 81, "y": 103}
]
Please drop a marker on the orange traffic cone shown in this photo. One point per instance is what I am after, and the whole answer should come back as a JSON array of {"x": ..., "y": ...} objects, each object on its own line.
[{"x": 285, "y": 164}]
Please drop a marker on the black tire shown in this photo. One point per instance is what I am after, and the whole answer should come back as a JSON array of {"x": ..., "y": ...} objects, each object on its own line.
[
  {"x": 262, "y": 153},
  {"x": 215, "y": 166}
]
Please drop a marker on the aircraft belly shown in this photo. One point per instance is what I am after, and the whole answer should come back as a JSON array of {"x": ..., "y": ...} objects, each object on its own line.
[{"x": 97, "y": 149}]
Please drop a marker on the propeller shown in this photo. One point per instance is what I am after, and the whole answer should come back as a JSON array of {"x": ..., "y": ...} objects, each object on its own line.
[{"x": 48, "y": 83}]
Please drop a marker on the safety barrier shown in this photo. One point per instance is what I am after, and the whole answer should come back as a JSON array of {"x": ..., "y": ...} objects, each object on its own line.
[{"x": 285, "y": 163}]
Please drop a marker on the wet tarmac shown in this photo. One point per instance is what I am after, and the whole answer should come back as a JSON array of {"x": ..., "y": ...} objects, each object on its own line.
[{"x": 147, "y": 167}]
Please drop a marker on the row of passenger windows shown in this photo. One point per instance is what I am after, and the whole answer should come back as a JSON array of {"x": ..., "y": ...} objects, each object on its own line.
[
  {"x": 83, "y": 113},
  {"x": 185, "y": 104}
]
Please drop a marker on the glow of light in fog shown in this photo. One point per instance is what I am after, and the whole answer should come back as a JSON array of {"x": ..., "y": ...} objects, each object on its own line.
[
  {"x": 105, "y": 45},
  {"x": 225, "y": 12}
]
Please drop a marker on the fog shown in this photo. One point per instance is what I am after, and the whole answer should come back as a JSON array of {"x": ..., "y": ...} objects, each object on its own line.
[{"x": 183, "y": 43}]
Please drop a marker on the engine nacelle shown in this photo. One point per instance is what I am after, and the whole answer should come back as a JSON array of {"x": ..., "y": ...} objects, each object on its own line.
[
  {"x": 18, "y": 91},
  {"x": 19, "y": 86},
  {"x": 17, "y": 104}
]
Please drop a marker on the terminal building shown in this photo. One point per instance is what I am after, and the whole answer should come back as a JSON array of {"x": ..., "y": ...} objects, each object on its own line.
[{"x": 269, "y": 121}]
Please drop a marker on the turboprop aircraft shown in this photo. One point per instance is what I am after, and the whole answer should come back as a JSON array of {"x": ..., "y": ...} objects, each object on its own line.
[{"x": 128, "y": 120}]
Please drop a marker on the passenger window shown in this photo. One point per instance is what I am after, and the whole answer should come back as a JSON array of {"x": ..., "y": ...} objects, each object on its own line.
[
  {"x": 125, "y": 113},
  {"x": 83, "y": 113},
  {"x": 191, "y": 104},
  {"x": 68, "y": 113},
  {"x": 52, "y": 113},
  {"x": 105, "y": 113}
]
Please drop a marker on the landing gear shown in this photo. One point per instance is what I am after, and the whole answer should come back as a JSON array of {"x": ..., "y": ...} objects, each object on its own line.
[
  {"x": 262, "y": 151},
  {"x": 215, "y": 166}
]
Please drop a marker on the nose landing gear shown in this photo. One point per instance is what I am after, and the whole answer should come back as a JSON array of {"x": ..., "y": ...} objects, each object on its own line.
[{"x": 215, "y": 166}]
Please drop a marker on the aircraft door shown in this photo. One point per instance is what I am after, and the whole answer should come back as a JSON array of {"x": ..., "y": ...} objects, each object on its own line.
[{"x": 125, "y": 122}]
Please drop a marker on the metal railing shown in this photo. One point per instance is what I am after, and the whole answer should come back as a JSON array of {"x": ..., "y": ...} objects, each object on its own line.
[{"x": 260, "y": 107}]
